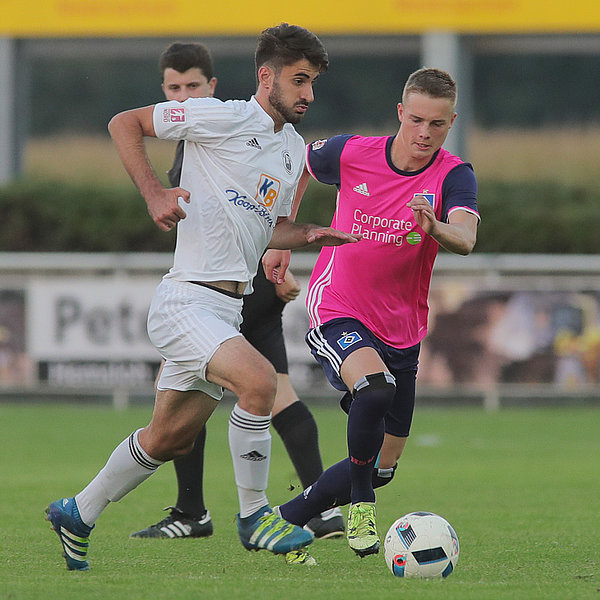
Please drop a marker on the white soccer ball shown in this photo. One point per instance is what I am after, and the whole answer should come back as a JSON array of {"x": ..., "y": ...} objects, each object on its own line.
[{"x": 421, "y": 545}]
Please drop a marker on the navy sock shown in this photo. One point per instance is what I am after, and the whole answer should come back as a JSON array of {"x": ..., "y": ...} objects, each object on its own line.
[
  {"x": 320, "y": 496},
  {"x": 373, "y": 396},
  {"x": 189, "y": 470},
  {"x": 331, "y": 489}
]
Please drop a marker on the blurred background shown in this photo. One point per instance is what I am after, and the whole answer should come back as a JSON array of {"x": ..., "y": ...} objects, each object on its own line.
[{"x": 516, "y": 322}]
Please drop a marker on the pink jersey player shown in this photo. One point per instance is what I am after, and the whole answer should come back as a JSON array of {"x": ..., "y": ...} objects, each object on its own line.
[{"x": 384, "y": 280}]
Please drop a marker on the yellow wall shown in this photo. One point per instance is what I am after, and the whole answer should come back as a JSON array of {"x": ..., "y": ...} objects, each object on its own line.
[{"x": 56, "y": 18}]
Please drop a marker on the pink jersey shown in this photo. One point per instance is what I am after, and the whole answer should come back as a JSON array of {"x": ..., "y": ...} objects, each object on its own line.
[{"x": 383, "y": 280}]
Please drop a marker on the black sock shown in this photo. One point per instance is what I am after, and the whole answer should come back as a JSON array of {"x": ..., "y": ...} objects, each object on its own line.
[
  {"x": 190, "y": 470},
  {"x": 298, "y": 430}
]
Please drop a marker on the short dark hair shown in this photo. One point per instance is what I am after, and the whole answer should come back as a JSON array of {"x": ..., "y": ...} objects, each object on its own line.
[
  {"x": 181, "y": 57},
  {"x": 284, "y": 44},
  {"x": 431, "y": 82}
]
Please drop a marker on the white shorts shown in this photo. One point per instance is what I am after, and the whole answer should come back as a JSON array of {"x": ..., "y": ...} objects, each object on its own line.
[{"x": 186, "y": 324}]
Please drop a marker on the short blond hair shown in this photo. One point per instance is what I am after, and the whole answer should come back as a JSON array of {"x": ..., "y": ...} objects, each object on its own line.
[{"x": 434, "y": 83}]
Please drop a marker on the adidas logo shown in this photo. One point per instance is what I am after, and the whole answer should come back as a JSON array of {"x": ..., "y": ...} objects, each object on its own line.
[
  {"x": 253, "y": 143},
  {"x": 362, "y": 189},
  {"x": 177, "y": 529},
  {"x": 253, "y": 455}
]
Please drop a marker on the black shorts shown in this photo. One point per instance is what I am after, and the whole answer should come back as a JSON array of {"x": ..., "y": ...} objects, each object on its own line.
[
  {"x": 332, "y": 342},
  {"x": 262, "y": 325}
]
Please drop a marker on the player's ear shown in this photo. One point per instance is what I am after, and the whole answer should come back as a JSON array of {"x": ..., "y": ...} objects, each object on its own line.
[
  {"x": 212, "y": 84},
  {"x": 266, "y": 75},
  {"x": 400, "y": 111}
]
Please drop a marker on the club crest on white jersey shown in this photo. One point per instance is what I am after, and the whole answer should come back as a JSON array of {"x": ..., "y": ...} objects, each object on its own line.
[{"x": 287, "y": 162}]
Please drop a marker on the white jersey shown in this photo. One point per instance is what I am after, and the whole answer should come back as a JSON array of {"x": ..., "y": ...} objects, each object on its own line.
[{"x": 241, "y": 175}]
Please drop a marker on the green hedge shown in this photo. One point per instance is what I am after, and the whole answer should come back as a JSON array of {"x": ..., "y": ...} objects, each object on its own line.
[
  {"x": 55, "y": 216},
  {"x": 548, "y": 218}
]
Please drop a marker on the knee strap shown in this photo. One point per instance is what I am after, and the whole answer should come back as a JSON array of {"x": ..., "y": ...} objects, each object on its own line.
[
  {"x": 374, "y": 381},
  {"x": 382, "y": 477}
]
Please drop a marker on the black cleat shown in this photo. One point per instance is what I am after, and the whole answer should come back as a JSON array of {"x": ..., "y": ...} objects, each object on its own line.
[
  {"x": 329, "y": 524},
  {"x": 178, "y": 525}
]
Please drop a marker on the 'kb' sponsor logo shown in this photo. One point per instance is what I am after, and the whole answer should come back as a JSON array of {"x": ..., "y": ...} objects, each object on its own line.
[{"x": 267, "y": 191}]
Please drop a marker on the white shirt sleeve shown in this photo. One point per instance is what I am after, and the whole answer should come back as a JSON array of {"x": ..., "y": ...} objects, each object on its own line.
[{"x": 203, "y": 120}]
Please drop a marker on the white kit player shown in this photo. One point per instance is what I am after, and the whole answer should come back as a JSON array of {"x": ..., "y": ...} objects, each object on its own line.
[{"x": 242, "y": 163}]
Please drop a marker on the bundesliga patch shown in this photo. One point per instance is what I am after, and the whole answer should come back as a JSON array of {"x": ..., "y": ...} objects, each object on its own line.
[
  {"x": 174, "y": 115},
  {"x": 318, "y": 144},
  {"x": 267, "y": 191},
  {"x": 348, "y": 339},
  {"x": 429, "y": 197}
]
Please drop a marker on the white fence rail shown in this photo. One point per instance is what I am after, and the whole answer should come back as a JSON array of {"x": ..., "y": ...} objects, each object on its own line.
[{"x": 504, "y": 329}]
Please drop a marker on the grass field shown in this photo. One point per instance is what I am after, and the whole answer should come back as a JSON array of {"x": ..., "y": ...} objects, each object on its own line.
[{"x": 519, "y": 486}]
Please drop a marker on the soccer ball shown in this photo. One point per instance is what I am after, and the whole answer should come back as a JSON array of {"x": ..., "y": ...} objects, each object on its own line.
[{"x": 421, "y": 545}]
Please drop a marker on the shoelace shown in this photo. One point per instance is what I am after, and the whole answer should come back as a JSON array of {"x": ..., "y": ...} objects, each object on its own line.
[
  {"x": 363, "y": 521},
  {"x": 275, "y": 524},
  {"x": 173, "y": 516}
]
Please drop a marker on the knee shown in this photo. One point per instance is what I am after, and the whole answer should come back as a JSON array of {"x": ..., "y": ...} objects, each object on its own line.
[
  {"x": 257, "y": 394},
  {"x": 377, "y": 389},
  {"x": 168, "y": 444}
]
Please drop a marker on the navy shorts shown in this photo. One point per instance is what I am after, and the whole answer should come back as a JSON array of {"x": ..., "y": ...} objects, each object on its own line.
[{"x": 332, "y": 342}]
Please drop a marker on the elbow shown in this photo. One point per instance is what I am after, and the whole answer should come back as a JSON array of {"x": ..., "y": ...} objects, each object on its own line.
[
  {"x": 468, "y": 247},
  {"x": 463, "y": 248},
  {"x": 113, "y": 124}
]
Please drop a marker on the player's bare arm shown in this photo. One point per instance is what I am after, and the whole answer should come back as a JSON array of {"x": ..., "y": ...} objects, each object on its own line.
[
  {"x": 300, "y": 189},
  {"x": 128, "y": 130},
  {"x": 288, "y": 235},
  {"x": 276, "y": 262},
  {"x": 458, "y": 235}
]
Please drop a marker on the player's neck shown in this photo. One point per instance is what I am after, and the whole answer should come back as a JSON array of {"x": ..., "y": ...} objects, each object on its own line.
[
  {"x": 403, "y": 160},
  {"x": 263, "y": 100}
]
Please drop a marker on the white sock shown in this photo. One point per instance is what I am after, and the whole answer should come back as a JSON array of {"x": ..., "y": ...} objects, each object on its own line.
[
  {"x": 250, "y": 445},
  {"x": 125, "y": 469}
]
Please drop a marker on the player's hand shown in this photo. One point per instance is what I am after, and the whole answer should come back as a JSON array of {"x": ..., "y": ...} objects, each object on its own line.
[
  {"x": 289, "y": 289},
  {"x": 275, "y": 264},
  {"x": 423, "y": 213},
  {"x": 327, "y": 236},
  {"x": 164, "y": 207}
]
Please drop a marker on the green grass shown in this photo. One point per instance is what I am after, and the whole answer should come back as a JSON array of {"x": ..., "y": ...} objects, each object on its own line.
[{"x": 519, "y": 486}]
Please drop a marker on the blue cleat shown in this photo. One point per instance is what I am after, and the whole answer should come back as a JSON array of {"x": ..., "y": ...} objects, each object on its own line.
[
  {"x": 265, "y": 530},
  {"x": 72, "y": 532}
]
